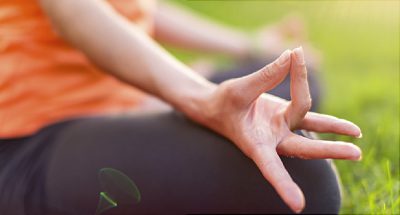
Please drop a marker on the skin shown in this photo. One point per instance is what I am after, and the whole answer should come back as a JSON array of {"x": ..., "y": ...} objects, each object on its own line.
[
  {"x": 178, "y": 27},
  {"x": 259, "y": 124},
  {"x": 197, "y": 33}
]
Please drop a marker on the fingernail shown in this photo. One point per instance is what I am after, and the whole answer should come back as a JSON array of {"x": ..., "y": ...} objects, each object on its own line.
[
  {"x": 299, "y": 55},
  {"x": 360, "y": 135},
  {"x": 284, "y": 57},
  {"x": 356, "y": 154}
]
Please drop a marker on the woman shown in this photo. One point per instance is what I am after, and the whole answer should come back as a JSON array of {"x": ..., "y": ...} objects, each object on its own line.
[{"x": 65, "y": 117}]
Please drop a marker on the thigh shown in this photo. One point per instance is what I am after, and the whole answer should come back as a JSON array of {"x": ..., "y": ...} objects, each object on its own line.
[{"x": 178, "y": 167}]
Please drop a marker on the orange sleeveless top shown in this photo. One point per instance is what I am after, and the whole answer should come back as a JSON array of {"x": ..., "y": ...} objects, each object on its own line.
[{"x": 44, "y": 80}]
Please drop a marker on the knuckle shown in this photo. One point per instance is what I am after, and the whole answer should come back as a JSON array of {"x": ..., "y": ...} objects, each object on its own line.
[
  {"x": 232, "y": 91},
  {"x": 300, "y": 64},
  {"x": 302, "y": 152},
  {"x": 267, "y": 73},
  {"x": 304, "y": 155},
  {"x": 302, "y": 74},
  {"x": 308, "y": 102},
  {"x": 270, "y": 166},
  {"x": 305, "y": 105},
  {"x": 334, "y": 125},
  {"x": 283, "y": 182},
  {"x": 255, "y": 151}
]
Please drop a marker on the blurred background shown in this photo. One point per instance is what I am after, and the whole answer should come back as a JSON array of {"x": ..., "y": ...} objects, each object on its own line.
[{"x": 359, "y": 42}]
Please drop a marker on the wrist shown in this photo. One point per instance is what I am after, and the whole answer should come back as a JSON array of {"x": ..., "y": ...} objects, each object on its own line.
[
  {"x": 194, "y": 101},
  {"x": 250, "y": 47}
]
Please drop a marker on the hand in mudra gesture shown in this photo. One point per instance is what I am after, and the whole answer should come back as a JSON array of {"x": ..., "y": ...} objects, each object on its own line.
[{"x": 262, "y": 125}]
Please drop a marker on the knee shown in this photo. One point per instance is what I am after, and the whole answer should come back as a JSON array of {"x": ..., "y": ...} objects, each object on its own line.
[{"x": 319, "y": 182}]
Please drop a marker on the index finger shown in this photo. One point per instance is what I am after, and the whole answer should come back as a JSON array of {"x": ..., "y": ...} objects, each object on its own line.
[
  {"x": 271, "y": 166},
  {"x": 257, "y": 83},
  {"x": 299, "y": 91}
]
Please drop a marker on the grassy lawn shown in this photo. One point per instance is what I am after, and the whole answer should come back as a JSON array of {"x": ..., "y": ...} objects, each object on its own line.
[{"x": 360, "y": 43}]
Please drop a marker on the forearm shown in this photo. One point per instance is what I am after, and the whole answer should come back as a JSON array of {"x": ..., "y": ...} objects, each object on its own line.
[
  {"x": 124, "y": 51},
  {"x": 175, "y": 26}
]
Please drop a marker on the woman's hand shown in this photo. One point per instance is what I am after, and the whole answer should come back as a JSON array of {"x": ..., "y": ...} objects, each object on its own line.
[
  {"x": 271, "y": 40},
  {"x": 262, "y": 125},
  {"x": 259, "y": 124}
]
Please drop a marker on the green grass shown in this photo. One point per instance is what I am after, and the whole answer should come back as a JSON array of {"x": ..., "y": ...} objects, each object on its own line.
[{"x": 360, "y": 43}]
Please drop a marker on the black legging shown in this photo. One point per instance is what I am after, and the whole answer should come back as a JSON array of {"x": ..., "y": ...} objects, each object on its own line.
[{"x": 178, "y": 166}]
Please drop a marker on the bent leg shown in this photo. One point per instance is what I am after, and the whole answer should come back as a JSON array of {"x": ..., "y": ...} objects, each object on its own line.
[{"x": 179, "y": 167}]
